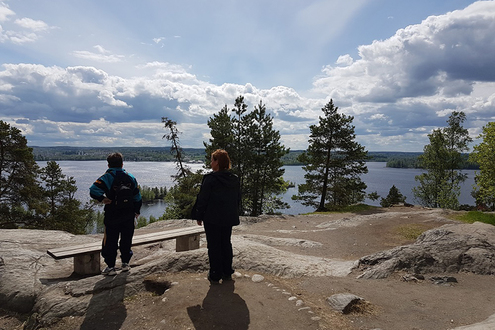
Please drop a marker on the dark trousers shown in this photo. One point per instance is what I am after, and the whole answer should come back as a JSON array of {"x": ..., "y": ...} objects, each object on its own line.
[
  {"x": 219, "y": 250},
  {"x": 113, "y": 230}
]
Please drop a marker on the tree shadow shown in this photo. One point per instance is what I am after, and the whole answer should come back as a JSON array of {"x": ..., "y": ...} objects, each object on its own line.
[
  {"x": 106, "y": 310},
  {"x": 221, "y": 309}
]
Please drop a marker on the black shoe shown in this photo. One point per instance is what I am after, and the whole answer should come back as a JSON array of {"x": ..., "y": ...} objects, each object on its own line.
[
  {"x": 213, "y": 281},
  {"x": 227, "y": 278}
]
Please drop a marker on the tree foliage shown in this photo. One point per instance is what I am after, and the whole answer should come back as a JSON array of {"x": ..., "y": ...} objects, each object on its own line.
[
  {"x": 263, "y": 163},
  {"x": 442, "y": 158},
  {"x": 222, "y": 135},
  {"x": 255, "y": 151},
  {"x": 175, "y": 149},
  {"x": 31, "y": 197},
  {"x": 394, "y": 197},
  {"x": 335, "y": 162},
  {"x": 484, "y": 155},
  {"x": 63, "y": 211},
  {"x": 19, "y": 190},
  {"x": 180, "y": 198}
]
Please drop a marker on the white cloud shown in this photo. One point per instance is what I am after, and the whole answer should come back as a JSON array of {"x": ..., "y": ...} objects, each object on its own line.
[
  {"x": 98, "y": 57},
  {"x": 344, "y": 60},
  {"x": 397, "y": 89},
  {"x": 5, "y": 12},
  {"x": 421, "y": 74},
  {"x": 20, "y": 36},
  {"x": 32, "y": 24}
]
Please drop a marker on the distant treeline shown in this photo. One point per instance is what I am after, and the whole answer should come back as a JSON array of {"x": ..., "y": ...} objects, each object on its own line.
[
  {"x": 410, "y": 160},
  {"x": 162, "y": 154},
  {"x": 133, "y": 154}
]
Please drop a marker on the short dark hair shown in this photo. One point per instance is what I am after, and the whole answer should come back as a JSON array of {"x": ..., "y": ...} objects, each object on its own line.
[
  {"x": 223, "y": 159},
  {"x": 115, "y": 160}
]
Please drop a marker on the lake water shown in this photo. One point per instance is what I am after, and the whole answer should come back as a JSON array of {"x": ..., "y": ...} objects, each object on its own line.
[{"x": 158, "y": 174}]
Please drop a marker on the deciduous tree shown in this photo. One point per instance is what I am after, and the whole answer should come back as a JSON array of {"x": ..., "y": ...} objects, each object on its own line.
[
  {"x": 442, "y": 159},
  {"x": 484, "y": 155}
]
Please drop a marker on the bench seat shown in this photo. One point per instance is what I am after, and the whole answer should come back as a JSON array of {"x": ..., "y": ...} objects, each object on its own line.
[{"x": 87, "y": 256}]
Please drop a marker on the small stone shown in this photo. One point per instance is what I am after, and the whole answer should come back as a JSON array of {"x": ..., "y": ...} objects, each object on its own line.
[
  {"x": 257, "y": 278},
  {"x": 299, "y": 303},
  {"x": 343, "y": 302},
  {"x": 292, "y": 298}
]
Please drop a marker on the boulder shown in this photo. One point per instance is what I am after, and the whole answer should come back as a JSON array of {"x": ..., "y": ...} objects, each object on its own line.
[{"x": 450, "y": 248}]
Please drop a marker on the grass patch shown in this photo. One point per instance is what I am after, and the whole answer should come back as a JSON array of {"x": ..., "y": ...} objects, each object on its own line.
[
  {"x": 473, "y": 216},
  {"x": 410, "y": 232}
]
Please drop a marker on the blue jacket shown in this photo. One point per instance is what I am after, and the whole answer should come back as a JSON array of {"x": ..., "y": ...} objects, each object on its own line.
[{"x": 101, "y": 187}]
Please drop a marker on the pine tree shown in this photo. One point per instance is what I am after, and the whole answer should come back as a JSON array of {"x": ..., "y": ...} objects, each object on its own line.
[
  {"x": 334, "y": 163},
  {"x": 175, "y": 149},
  {"x": 181, "y": 196},
  {"x": 255, "y": 152},
  {"x": 20, "y": 193},
  {"x": 64, "y": 212},
  {"x": 394, "y": 197},
  {"x": 221, "y": 135},
  {"x": 263, "y": 163}
]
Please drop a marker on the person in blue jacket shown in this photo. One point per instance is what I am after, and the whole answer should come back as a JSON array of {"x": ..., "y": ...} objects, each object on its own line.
[
  {"x": 217, "y": 207},
  {"x": 118, "y": 220}
]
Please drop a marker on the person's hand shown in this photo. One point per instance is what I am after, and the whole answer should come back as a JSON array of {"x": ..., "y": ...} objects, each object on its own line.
[
  {"x": 199, "y": 222},
  {"x": 107, "y": 201},
  {"x": 136, "y": 215}
]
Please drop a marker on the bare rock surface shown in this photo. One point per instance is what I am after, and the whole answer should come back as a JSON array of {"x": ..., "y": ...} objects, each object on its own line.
[
  {"x": 287, "y": 267},
  {"x": 451, "y": 248}
]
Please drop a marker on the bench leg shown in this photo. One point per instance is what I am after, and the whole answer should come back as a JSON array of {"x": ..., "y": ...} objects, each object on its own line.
[
  {"x": 186, "y": 243},
  {"x": 87, "y": 264}
]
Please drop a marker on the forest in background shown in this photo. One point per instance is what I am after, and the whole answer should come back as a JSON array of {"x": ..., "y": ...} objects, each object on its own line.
[
  {"x": 394, "y": 159},
  {"x": 163, "y": 154}
]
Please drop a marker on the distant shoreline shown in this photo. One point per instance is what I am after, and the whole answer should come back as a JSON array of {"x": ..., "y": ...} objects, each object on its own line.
[{"x": 163, "y": 154}]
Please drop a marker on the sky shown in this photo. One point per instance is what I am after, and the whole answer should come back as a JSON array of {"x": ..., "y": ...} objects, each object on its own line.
[{"x": 103, "y": 73}]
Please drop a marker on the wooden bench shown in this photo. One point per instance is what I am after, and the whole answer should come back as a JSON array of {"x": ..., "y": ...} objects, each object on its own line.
[{"x": 87, "y": 256}]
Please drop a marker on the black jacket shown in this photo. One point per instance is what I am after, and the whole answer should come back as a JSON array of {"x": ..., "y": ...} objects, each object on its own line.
[{"x": 218, "y": 199}]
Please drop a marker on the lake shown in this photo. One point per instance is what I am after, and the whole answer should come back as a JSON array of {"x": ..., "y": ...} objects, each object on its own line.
[{"x": 158, "y": 174}]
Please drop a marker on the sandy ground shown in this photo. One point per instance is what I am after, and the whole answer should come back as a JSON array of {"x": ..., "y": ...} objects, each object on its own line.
[{"x": 300, "y": 303}]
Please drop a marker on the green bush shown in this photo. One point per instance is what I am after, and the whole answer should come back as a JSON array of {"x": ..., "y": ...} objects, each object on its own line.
[{"x": 394, "y": 197}]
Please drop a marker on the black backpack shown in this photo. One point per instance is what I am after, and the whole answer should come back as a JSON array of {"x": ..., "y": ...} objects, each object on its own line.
[{"x": 122, "y": 191}]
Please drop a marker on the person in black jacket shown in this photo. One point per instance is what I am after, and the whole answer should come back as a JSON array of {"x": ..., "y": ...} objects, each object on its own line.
[
  {"x": 118, "y": 220},
  {"x": 217, "y": 207}
]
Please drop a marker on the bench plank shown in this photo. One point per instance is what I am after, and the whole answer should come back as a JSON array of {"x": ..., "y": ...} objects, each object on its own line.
[{"x": 76, "y": 250}]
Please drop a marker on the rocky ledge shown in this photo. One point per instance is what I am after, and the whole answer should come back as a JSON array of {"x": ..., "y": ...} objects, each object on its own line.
[{"x": 34, "y": 283}]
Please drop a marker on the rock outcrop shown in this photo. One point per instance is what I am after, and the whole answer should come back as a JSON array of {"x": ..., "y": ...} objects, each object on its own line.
[
  {"x": 447, "y": 249},
  {"x": 33, "y": 282}
]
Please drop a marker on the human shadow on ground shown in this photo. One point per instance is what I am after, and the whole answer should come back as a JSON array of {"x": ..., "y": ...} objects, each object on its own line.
[
  {"x": 221, "y": 309},
  {"x": 106, "y": 309}
]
